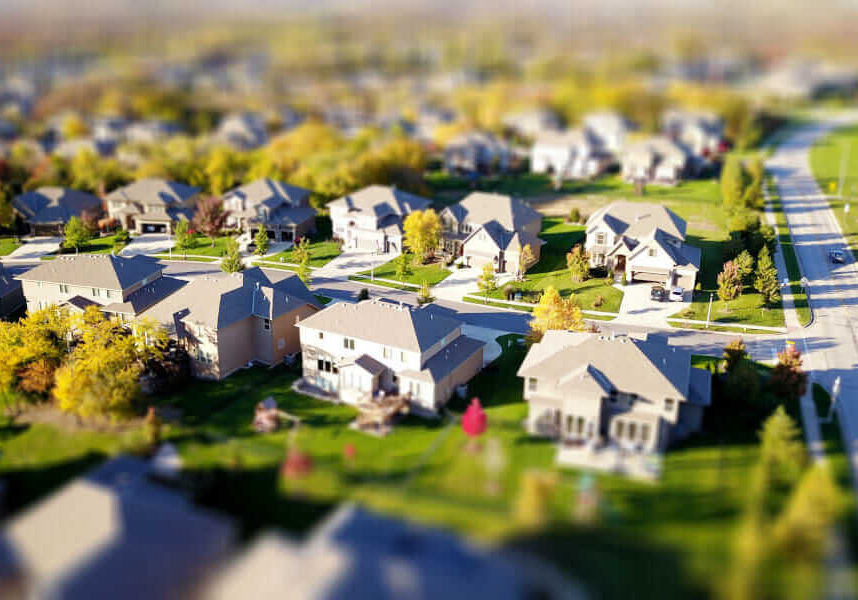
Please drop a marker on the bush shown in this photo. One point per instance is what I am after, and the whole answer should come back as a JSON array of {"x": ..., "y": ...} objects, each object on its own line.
[
  {"x": 363, "y": 294},
  {"x": 574, "y": 215},
  {"x": 122, "y": 236},
  {"x": 599, "y": 301},
  {"x": 625, "y": 279},
  {"x": 509, "y": 291}
]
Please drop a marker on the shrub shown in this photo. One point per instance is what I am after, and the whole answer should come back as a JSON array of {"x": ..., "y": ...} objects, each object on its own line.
[
  {"x": 599, "y": 301},
  {"x": 509, "y": 291},
  {"x": 574, "y": 215},
  {"x": 625, "y": 279},
  {"x": 363, "y": 294}
]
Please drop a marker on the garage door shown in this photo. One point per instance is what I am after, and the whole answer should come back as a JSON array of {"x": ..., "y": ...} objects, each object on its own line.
[
  {"x": 649, "y": 276},
  {"x": 153, "y": 228}
]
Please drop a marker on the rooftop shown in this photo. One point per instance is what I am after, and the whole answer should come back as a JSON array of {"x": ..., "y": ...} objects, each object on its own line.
[{"x": 104, "y": 271}]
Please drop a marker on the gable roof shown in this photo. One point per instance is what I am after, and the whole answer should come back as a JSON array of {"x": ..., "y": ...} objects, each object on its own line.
[
  {"x": 49, "y": 205},
  {"x": 484, "y": 207},
  {"x": 383, "y": 322},
  {"x": 271, "y": 193},
  {"x": 652, "y": 369},
  {"x": 570, "y": 138},
  {"x": 219, "y": 300},
  {"x": 504, "y": 239},
  {"x": 381, "y": 200},
  {"x": 8, "y": 283},
  {"x": 684, "y": 255},
  {"x": 154, "y": 191},
  {"x": 95, "y": 270},
  {"x": 637, "y": 220}
]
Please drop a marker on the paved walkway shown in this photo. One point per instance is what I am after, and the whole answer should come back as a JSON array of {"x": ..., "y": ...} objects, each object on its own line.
[{"x": 35, "y": 248}]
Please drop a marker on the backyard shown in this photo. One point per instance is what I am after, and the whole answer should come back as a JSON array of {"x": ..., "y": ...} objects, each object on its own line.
[
  {"x": 423, "y": 471},
  {"x": 825, "y": 162}
]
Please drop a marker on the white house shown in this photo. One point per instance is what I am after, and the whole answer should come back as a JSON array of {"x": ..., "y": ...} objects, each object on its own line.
[
  {"x": 656, "y": 159},
  {"x": 571, "y": 154},
  {"x": 608, "y": 129}
]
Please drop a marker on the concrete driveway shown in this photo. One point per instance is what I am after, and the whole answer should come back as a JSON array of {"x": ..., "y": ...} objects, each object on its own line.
[
  {"x": 148, "y": 244},
  {"x": 461, "y": 282},
  {"x": 352, "y": 262},
  {"x": 639, "y": 309},
  {"x": 35, "y": 248}
]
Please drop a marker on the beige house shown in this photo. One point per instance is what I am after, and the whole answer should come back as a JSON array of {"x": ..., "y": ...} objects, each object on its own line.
[
  {"x": 227, "y": 321},
  {"x": 644, "y": 241},
  {"x": 699, "y": 134},
  {"x": 283, "y": 210},
  {"x": 47, "y": 209},
  {"x": 371, "y": 218},
  {"x": 635, "y": 393},
  {"x": 656, "y": 159},
  {"x": 121, "y": 286},
  {"x": 355, "y": 352},
  {"x": 571, "y": 154},
  {"x": 491, "y": 228},
  {"x": 151, "y": 205}
]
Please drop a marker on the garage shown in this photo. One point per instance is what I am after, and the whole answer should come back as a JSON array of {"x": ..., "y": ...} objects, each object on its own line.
[
  {"x": 153, "y": 228},
  {"x": 651, "y": 276}
]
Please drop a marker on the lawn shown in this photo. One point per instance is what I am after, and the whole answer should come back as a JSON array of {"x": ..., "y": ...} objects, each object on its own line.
[
  {"x": 825, "y": 161},
  {"x": 551, "y": 270},
  {"x": 8, "y": 244},
  {"x": 432, "y": 273},
  {"x": 202, "y": 245},
  {"x": 321, "y": 253},
  {"x": 98, "y": 245}
]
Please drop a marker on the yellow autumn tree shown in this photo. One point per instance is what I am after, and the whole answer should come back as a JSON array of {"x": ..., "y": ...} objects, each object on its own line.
[
  {"x": 422, "y": 232},
  {"x": 555, "y": 312}
]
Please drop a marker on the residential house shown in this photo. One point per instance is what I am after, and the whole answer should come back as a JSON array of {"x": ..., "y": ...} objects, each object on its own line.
[
  {"x": 491, "y": 228},
  {"x": 354, "y": 352},
  {"x": 656, "y": 159},
  {"x": 571, "y": 154},
  {"x": 644, "y": 241},
  {"x": 477, "y": 152},
  {"x": 699, "y": 134},
  {"x": 361, "y": 555},
  {"x": 243, "y": 131},
  {"x": 11, "y": 295},
  {"x": 117, "y": 285},
  {"x": 47, "y": 209},
  {"x": 152, "y": 205},
  {"x": 283, "y": 210},
  {"x": 429, "y": 119},
  {"x": 608, "y": 130},
  {"x": 229, "y": 320},
  {"x": 371, "y": 218},
  {"x": 637, "y": 393},
  {"x": 115, "y": 532},
  {"x": 532, "y": 123},
  {"x": 150, "y": 131}
]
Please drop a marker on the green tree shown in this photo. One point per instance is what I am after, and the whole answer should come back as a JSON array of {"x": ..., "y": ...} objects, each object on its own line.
[
  {"x": 732, "y": 183},
  {"x": 555, "y": 312},
  {"x": 181, "y": 233},
  {"x": 301, "y": 251},
  {"x": 525, "y": 257},
  {"x": 75, "y": 234},
  {"x": 743, "y": 382},
  {"x": 788, "y": 380},
  {"x": 734, "y": 353},
  {"x": 782, "y": 449},
  {"x": 745, "y": 265},
  {"x": 578, "y": 263},
  {"x": 729, "y": 282},
  {"x": 574, "y": 215},
  {"x": 261, "y": 241},
  {"x": 422, "y": 232},
  {"x": 766, "y": 280},
  {"x": 487, "y": 281},
  {"x": 403, "y": 266},
  {"x": 232, "y": 263},
  {"x": 304, "y": 273},
  {"x": 221, "y": 170}
]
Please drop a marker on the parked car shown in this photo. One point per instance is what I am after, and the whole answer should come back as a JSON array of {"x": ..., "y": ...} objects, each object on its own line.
[
  {"x": 676, "y": 294},
  {"x": 658, "y": 293},
  {"x": 837, "y": 257}
]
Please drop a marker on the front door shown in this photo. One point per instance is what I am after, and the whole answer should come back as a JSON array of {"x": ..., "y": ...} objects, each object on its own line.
[{"x": 620, "y": 264}]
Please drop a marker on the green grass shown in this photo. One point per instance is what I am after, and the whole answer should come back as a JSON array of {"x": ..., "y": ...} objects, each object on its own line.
[
  {"x": 433, "y": 273},
  {"x": 266, "y": 265},
  {"x": 202, "y": 245},
  {"x": 178, "y": 256},
  {"x": 744, "y": 310},
  {"x": 720, "y": 328},
  {"x": 387, "y": 284},
  {"x": 8, "y": 244},
  {"x": 321, "y": 253},
  {"x": 825, "y": 161},
  {"x": 802, "y": 306},
  {"x": 99, "y": 245}
]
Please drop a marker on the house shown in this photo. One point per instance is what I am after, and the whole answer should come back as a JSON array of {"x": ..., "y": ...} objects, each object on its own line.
[
  {"x": 121, "y": 286},
  {"x": 362, "y": 555},
  {"x": 354, "y": 352},
  {"x": 115, "y": 532},
  {"x": 571, "y": 154},
  {"x": 699, "y": 134},
  {"x": 152, "y": 205},
  {"x": 150, "y": 131},
  {"x": 47, "y": 209},
  {"x": 638, "y": 393},
  {"x": 282, "y": 209},
  {"x": 491, "y": 228},
  {"x": 242, "y": 131},
  {"x": 228, "y": 320},
  {"x": 656, "y": 159},
  {"x": 371, "y": 218},
  {"x": 532, "y": 123},
  {"x": 11, "y": 295},
  {"x": 477, "y": 152},
  {"x": 644, "y": 241},
  {"x": 429, "y": 120},
  {"x": 608, "y": 130}
]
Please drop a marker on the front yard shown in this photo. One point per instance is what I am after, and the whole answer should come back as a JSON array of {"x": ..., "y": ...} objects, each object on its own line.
[
  {"x": 105, "y": 244},
  {"x": 432, "y": 273},
  {"x": 8, "y": 244},
  {"x": 321, "y": 253},
  {"x": 202, "y": 245}
]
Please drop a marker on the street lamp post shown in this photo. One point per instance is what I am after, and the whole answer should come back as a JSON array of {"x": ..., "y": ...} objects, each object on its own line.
[
  {"x": 709, "y": 311},
  {"x": 835, "y": 393}
]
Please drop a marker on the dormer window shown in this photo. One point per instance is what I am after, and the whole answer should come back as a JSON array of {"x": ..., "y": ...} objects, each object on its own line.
[
  {"x": 651, "y": 252},
  {"x": 668, "y": 404}
]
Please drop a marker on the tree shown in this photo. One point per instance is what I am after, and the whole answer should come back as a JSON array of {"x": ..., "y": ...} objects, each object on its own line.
[
  {"x": 422, "y": 232},
  {"x": 743, "y": 382},
  {"x": 221, "y": 170},
  {"x": 766, "y": 280},
  {"x": 232, "y": 263},
  {"x": 210, "y": 217},
  {"x": 425, "y": 294},
  {"x": 304, "y": 273},
  {"x": 533, "y": 502},
  {"x": 782, "y": 449},
  {"x": 184, "y": 238},
  {"x": 301, "y": 250},
  {"x": 75, "y": 233},
  {"x": 152, "y": 427},
  {"x": 734, "y": 353},
  {"x": 745, "y": 265},
  {"x": 729, "y": 282},
  {"x": 474, "y": 420},
  {"x": 525, "y": 257},
  {"x": 487, "y": 282},
  {"x": 555, "y": 312},
  {"x": 73, "y": 126},
  {"x": 261, "y": 241},
  {"x": 574, "y": 215},
  {"x": 578, "y": 263},
  {"x": 732, "y": 183},
  {"x": 788, "y": 381},
  {"x": 403, "y": 266},
  {"x": 37, "y": 377}
]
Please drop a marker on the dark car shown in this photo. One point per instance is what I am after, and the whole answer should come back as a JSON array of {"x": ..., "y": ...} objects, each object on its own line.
[
  {"x": 837, "y": 257},
  {"x": 658, "y": 293}
]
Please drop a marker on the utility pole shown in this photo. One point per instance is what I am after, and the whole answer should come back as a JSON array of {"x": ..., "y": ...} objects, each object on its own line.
[{"x": 709, "y": 311}]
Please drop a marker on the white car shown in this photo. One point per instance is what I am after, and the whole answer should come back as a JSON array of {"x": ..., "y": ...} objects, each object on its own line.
[{"x": 675, "y": 294}]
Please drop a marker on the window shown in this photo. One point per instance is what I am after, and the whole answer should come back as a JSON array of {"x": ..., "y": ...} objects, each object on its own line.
[
  {"x": 651, "y": 252},
  {"x": 387, "y": 352},
  {"x": 64, "y": 289},
  {"x": 96, "y": 292},
  {"x": 348, "y": 343},
  {"x": 633, "y": 429},
  {"x": 618, "y": 428},
  {"x": 645, "y": 433},
  {"x": 320, "y": 365},
  {"x": 600, "y": 238},
  {"x": 531, "y": 384},
  {"x": 321, "y": 335},
  {"x": 266, "y": 323},
  {"x": 668, "y": 404},
  {"x": 402, "y": 356}
]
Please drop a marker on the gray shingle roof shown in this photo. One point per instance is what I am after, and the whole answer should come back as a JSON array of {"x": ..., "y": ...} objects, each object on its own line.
[
  {"x": 447, "y": 360},
  {"x": 155, "y": 191},
  {"x": 637, "y": 220},
  {"x": 383, "y": 322},
  {"x": 382, "y": 200},
  {"x": 483, "y": 207},
  {"x": 104, "y": 271},
  {"x": 271, "y": 193},
  {"x": 7, "y": 282},
  {"x": 50, "y": 205}
]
